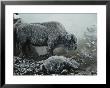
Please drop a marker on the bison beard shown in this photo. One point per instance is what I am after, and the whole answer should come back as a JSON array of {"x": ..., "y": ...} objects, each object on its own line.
[{"x": 50, "y": 34}]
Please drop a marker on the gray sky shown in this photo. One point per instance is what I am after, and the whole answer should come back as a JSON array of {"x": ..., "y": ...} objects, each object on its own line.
[{"x": 74, "y": 23}]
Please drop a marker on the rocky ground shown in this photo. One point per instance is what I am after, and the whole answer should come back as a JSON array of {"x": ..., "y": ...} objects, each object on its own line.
[{"x": 55, "y": 65}]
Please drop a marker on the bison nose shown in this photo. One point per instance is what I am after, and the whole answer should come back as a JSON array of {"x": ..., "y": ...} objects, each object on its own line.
[{"x": 75, "y": 47}]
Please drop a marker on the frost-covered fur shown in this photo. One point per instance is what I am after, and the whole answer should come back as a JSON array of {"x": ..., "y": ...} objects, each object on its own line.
[
  {"x": 56, "y": 64},
  {"x": 43, "y": 34}
]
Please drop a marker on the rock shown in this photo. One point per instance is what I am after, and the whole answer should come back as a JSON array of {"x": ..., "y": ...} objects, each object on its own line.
[
  {"x": 56, "y": 64},
  {"x": 64, "y": 72}
]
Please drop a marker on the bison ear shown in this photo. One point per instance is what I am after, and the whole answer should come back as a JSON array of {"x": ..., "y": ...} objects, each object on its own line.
[
  {"x": 68, "y": 37},
  {"x": 74, "y": 37}
]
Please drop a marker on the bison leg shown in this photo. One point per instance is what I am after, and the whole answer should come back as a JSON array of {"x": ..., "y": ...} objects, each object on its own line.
[
  {"x": 50, "y": 49},
  {"x": 52, "y": 41}
]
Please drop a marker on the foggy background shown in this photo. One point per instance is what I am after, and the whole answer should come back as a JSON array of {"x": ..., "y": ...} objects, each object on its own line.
[{"x": 75, "y": 23}]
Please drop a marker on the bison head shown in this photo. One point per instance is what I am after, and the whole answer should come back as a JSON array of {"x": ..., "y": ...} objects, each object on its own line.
[{"x": 70, "y": 42}]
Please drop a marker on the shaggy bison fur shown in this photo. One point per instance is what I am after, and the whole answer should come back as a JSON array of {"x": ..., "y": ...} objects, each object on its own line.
[{"x": 48, "y": 34}]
